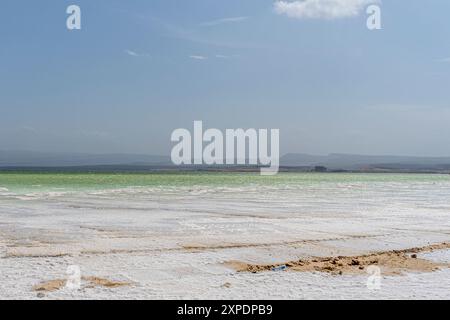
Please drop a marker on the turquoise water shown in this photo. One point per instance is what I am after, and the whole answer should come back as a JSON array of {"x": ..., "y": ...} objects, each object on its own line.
[{"x": 45, "y": 182}]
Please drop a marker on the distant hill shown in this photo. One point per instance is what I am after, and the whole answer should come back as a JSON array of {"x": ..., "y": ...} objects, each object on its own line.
[
  {"x": 44, "y": 159},
  {"x": 338, "y": 161},
  {"x": 304, "y": 162}
]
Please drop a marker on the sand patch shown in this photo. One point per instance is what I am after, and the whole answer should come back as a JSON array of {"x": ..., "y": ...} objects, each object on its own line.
[
  {"x": 87, "y": 282},
  {"x": 50, "y": 286},
  {"x": 393, "y": 262},
  {"x": 35, "y": 255},
  {"x": 102, "y": 282},
  {"x": 36, "y": 250}
]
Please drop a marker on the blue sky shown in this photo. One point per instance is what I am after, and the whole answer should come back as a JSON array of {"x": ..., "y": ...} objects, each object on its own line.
[{"x": 139, "y": 69}]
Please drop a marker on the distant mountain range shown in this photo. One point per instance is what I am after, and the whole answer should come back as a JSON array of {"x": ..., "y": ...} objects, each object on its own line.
[
  {"x": 45, "y": 159},
  {"x": 361, "y": 162},
  {"x": 19, "y": 159}
]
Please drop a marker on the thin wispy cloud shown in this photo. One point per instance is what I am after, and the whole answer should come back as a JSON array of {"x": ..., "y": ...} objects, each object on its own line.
[
  {"x": 217, "y": 22},
  {"x": 444, "y": 59},
  {"x": 217, "y": 56},
  {"x": 195, "y": 35},
  {"x": 223, "y": 56},
  {"x": 136, "y": 54},
  {"x": 198, "y": 57},
  {"x": 322, "y": 9},
  {"x": 28, "y": 128}
]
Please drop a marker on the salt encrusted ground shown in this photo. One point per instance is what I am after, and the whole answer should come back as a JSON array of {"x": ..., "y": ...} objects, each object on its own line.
[{"x": 174, "y": 244}]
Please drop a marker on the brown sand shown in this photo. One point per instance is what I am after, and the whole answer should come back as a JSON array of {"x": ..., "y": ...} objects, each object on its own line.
[
  {"x": 35, "y": 255},
  {"x": 50, "y": 286},
  {"x": 393, "y": 262},
  {"x": 96, "y": 281},
  {"x": 91, "y": 282}
]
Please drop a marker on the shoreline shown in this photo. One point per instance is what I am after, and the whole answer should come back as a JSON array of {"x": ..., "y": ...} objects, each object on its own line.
[{"x": 202, "y": 169}]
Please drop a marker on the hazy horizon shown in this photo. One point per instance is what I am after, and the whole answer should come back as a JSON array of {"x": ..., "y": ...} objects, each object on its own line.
[
  {"x": 168, "y": 155},
  {"x": 132, "y": 162}
]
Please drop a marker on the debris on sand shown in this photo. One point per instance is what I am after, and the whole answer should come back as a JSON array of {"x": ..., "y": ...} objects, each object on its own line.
[
  {"x": 393, "y": 262},
  {"x": 280, "y": 268}
]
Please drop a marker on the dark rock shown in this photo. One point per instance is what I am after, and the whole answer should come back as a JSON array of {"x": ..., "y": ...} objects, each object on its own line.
[{"x": 355, "y": 262}]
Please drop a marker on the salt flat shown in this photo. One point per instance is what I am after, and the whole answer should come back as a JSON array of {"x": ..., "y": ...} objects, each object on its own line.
[{"x": 171, "y": 237}]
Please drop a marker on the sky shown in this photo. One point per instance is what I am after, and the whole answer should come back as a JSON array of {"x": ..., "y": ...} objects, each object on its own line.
[{"x": 139, "y": 69}]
